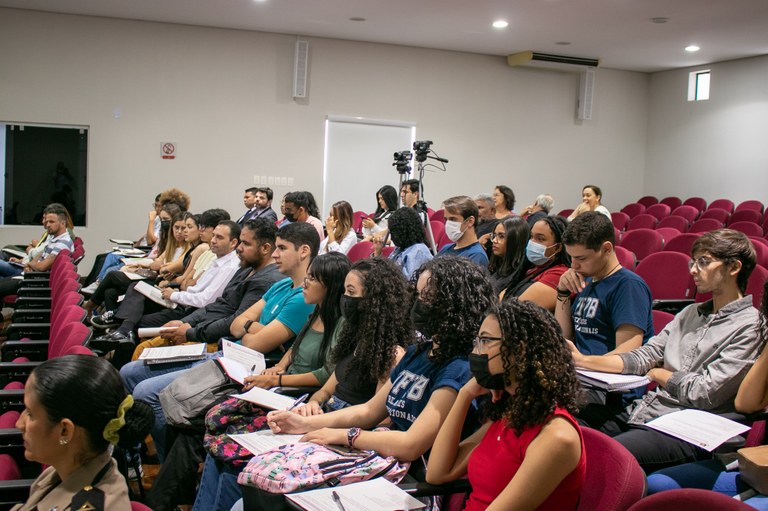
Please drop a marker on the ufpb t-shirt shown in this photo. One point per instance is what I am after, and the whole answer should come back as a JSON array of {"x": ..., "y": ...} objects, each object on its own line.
[
  {"x": 602, "y": 307},
  {"x": 415, "y": 378}
]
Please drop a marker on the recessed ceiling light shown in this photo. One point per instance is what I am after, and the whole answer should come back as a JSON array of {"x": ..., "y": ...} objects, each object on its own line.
[
  {"x": 692, "y": 48},
  {"x": 500, "y": 24},
  {"x": 659, "y": 20},
  {"x": 563, "y": 43},
  {"x": 356, "y": 18}
]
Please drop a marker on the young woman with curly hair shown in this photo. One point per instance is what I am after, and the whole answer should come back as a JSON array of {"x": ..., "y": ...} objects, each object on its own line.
[
  {"x": 530, "y": 453},
  {"x": 407, "y": 234},
  {"x": 453, "y": 295}
]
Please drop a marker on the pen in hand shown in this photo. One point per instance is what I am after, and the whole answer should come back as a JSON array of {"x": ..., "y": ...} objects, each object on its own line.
[
  {"x": 337, "y": 500},
  {"x": 298, "y": 401}
]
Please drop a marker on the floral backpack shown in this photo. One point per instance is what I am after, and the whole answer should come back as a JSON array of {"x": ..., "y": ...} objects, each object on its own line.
[{"x": 304, "y": 466}]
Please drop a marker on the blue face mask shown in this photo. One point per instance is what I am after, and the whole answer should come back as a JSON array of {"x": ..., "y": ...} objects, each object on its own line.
[{"x": 535, "y": 252}]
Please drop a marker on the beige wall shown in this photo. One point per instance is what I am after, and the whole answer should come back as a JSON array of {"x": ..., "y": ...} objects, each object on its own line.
[{"x": 225, "y": 97}]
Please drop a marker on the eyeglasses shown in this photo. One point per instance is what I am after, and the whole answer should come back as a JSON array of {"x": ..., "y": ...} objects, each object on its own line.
[
  {"x": 308, "y": 280},
  {"x": 481, "y": 341},
  {"x": 701, "y": 263}
]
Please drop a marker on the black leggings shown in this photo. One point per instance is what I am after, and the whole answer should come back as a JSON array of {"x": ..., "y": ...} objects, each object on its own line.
[{"x": 114, "y": 284}]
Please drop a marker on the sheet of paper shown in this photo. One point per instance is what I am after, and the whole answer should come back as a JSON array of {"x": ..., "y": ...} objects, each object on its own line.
[
  {"x": 239, "y": 361},
  {"x": 262, "y": 441},
  {"x": 617, "y": 381},
  {"x": 14, "y": 252},
  {"x": 169, "y": 352},
  {"x": 374, "y": 495},
  {"x": 154, "y": 293},
  {"x": 702, "y": 429},
  {"x": 267, "y": 399},
  {"x": 121, "y": 242},
  {"x": 133, "y": 276},
  {"x": 136, "y": 261},
  {"x": 154, "y": 332}
]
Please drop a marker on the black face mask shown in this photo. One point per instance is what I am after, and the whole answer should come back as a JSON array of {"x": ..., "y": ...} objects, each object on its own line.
[
  {"x": 290, "y": 217},
  {"x": 350, "y": 306},
  {"x": 478, "y": 366},
  {"x": 165, "y": 225},
  {"x": 420, "y": 313}
]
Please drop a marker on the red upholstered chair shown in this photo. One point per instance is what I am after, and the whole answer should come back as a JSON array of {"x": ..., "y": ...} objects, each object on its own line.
[
  {"x": 696, "y": 202},
  {"x": 8, "y": 419},
  {"x": 726, "y": 204},
  {"x": 648, "y": 200},
  {"x": 443, "y": 241},
  {"x": 672, "y": 202},
  {"x": 617, "y": 235},
  {"x": 718, "y": 214},
  {"x": 746, "y": 215},
  {"x": 9, "y": 470},
  {"x": 748, "y": 228},
  {"x": 360, "y": 250},
  {"x": 675, "y": 222},
  {"x": 762, "y": 253},
  {"x": 689, "y": 498},
  {"x": 755, "y": 285},
  {"x": 642, "y": 221},
  {"x": 660, "y": 320},
  {"x": 668, "y": 233},
  {"x": 78, "y": 349},
  {"x": 642, "y": 242},
  {"x": 633, "y": 209},
  {"x": 659, "y": 211},
  {"x": 138, "y": 506},
  {"x": 620, "y": 220},
  {"x": 614, "y": 480},
  {"x": 438, "y": 230},
  {"x": 565, "y": 213},
  {"x": 754, "y": 205},
  {"x": 437, "y": 216},
  {"x": 757, "y": 239},
  {"x": 681, "y": 243},
  {"x": 626, "y": 258},
  {"x": 688, "y": 212},
  {"x": 667, "y": 275},
  {"x": 705, "y": 225},
  {"x": 386, "y": 251},
  {"x": 357, "y": 220}
]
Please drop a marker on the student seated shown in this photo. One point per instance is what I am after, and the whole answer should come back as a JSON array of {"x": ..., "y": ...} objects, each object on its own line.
[
  {"x": 530, "y": 453},
  {"x": 75, "y": 407},
  {"x": 407, "y": 234},
  {"x": 386, "y": 204},
  {"x": 341, "y": 236},
  {"x": 508, "y": 264},
  {"x": 460, "y": 219},
  {"x": 591, "y": 196},
  {"x": 697, "y": 361},
  {"x": 712, "y": 474}
]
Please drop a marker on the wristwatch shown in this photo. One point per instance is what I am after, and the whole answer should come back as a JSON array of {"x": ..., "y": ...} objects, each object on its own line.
[{"x": 352, "y": 434}]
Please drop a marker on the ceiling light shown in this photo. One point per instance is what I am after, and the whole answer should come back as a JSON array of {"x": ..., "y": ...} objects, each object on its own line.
[
  {"x": 692, "y": 48},
  {"x": 500, "y": 24}
]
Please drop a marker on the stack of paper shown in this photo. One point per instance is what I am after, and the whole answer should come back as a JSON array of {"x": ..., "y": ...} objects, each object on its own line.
[
  {"x": 166, "y": 354},
  {"x": 239, "y": 361},
  {"x": 263, "y": 441},
  {"x": 697, "y": 427},
  {"x": 611, "y": 381},
  {"x": 373, "y": 495},
  {"x": 154, "y": 293},
  {"x": 267, "y": 399}
]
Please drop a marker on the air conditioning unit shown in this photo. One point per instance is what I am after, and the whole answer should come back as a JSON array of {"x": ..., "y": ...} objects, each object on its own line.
[{"x": 551, "y": 61}]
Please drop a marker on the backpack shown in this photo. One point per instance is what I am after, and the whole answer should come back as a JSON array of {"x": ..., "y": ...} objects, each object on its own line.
[{"x": 304, "y": 466}]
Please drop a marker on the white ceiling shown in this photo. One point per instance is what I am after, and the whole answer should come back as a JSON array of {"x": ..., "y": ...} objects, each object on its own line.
[{"x": 618, "y": 32}]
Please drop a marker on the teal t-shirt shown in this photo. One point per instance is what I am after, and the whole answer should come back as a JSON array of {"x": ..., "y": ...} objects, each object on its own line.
[{"x": 285, "y": 304}]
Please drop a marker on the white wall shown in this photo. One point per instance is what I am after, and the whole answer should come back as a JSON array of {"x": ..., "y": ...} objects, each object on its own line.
[
  {"x": 225, "y": 97},
  {"x": 715, "y": 148}
]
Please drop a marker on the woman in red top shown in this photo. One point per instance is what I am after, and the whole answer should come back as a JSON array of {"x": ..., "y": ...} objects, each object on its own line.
[{"x": 530, "y": 454}]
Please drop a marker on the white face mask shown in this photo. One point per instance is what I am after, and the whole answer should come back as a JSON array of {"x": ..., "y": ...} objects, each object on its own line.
[{"x": 453, "y": 230}]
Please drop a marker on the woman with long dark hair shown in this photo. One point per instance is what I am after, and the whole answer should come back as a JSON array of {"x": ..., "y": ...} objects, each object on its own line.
[
  {"x": 508, "y": 264},
  {"x": 529, "y": 454},
  {"x": 386, "y": 203}
]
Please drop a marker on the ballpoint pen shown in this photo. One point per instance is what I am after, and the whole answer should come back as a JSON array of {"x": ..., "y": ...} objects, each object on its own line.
[
  {"x": 298, "y": 401},
  {"x": 253, "y": 368},
  {"x": 337, "y": 500}
]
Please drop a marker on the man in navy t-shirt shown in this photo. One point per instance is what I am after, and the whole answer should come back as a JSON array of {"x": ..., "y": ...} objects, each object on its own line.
[
  {"x": 602, "y": 307},
  {"x": 461, "y": 215}
]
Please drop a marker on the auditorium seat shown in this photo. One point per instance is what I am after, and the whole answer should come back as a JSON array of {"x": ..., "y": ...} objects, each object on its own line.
[
  {"x": 438, "y": 230},
  {"x": 675, "y": 222},
  {"x": 667, "y": 275},
  {"x": 705, "y": 225},
  {"x": 659, "y": 211},
  {"x": 748, "y": 228},
  {"x": 565, "y": 213},
  {"x": 688, "y": 212},
  {"x": 668, "y": 233},
  {"x": 642, "y": 221},
  {"x": 660, "y": 320},
  {"x": 672, "y": 202},
  {"x": 626, "y": 258},
  {"x": 755, "y": 285},
  {"x": 689, "y": 498},
  {"x": 633, "y": 209},
  {"x": 681, "y": 243},
  {"x": 726, "y": 204},
  {"x": 437, "y": 216},
  {"x": 718, "y": 214},
  {"x": 357, "y": 221},
  {"x": 642, "y": 242},
  {"x": 620, "y": 220},
  {"x": 758, "y": 239},
  {"x": 746, "y": 215},
  {"x": 648, "y": 200},
  {"x": 360, "y": 250},
  {"x": 754, "y": 205},
  {"x": 696, "y": 202},
  {"x": 762, "y": 253}
]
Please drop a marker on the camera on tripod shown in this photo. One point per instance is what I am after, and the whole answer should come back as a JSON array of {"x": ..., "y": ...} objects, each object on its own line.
[
  {"x": 421, "y": 148},
  {"x": 401, "y": 161}
]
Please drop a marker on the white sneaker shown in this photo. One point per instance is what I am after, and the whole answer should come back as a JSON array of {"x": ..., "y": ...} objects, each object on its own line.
[{"x": 90, "y": 289}]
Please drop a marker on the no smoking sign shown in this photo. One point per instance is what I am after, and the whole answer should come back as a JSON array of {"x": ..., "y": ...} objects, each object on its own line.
[{"x": 168, "y": 150}]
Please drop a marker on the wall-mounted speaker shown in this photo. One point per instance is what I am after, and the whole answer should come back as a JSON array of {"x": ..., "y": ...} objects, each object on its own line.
[
  {"x": 586, "y": 94},
  {"x": 300, "y": 66}
]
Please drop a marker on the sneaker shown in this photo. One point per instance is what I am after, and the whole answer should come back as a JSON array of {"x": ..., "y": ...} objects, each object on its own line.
[
  {"x": 106, "y": 320},
  {"x": 90, "y": 289}
]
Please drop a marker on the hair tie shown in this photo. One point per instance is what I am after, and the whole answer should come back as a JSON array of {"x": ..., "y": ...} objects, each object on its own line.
[{"x": 113, "y": 426}]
